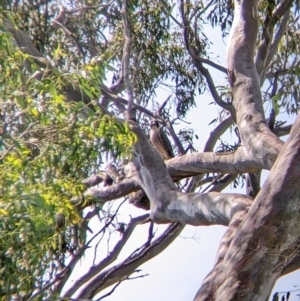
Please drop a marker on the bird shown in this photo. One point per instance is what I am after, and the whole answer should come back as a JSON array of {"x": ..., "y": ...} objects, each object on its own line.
[
  {"x": 160, "y": 141},
  {"x": 60, "y": 221}
]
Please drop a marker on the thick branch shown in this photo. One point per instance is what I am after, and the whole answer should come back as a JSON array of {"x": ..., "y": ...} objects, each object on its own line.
[
  {"x": 167, "y": 204},
  {"x": 196, "y": 163},
  {"x": 209, "y": 145},
  {"x": 105, "y": 194},
  {"x": 267, "y": 240},
  {"x": 282, "y": 131},
  {"x": 178, "y": 168},
  {"x": 257, "y": 141}
]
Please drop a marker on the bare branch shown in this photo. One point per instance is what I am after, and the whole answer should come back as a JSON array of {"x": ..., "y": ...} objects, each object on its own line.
[
  {"x": 209, "y": 145},
  {"x": 126, "y": 58},
  {"x": 160, "y": 109},
  {"x": 121, "y": 101},
  {"x": 282, "y": 131},
  {"x": 188, "y": 32},
  {"x": 93, "y": 181},
  {"x": 223, "y": 182},
  {"x": 182, "y": 167},
  {"x": 210, "y": 63},
  {"x": 111, "y": 276},
  {"x": 121, "y": 280},
  {"x": 96, "y": 269},
  {"x": 112, "y": 290},
  {"x": 175, "y": 138},
  {"x": 217, "y": 132},
  {"x": 105, "y": 194},
  {"x": 264, "y": 53}
]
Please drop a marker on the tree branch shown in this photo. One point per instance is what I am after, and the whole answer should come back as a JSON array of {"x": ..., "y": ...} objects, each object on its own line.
[
  {"x": 257, "y": 141},
  {"x": 262, "y": 246},
  {"x": 264, "y": 53},
  {"x": 111, "y": 276},
  {"x": 188, "y": 33},
  {"x": 126, "y": 58},
  {"x": 22, "y": 42},
  {"x": 167, "y": 204},
  {"x": 110, "y": 94},
  {"x": 217, "y": 132},
  {"x": 175, "y": 138},
  {"x": 113, "y": 255}
]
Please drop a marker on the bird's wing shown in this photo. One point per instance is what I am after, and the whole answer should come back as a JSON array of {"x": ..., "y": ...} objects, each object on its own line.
[{"x": 167, "y": 143}]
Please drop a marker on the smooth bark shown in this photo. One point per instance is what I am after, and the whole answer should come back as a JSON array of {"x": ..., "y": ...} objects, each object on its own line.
[{"x": 267, "y": 239}]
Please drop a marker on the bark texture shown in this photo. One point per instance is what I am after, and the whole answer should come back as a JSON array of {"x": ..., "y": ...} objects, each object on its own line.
[{"x": 267, "y": 240}]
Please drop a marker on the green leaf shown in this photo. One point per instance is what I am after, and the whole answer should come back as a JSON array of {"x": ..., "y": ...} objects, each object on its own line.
[
  {"x": 110, "y": 68},
  {"x": 52, "y": 90},
  {"x": 39, "y": 200},
  {"x": 4, "y": 212},
  {"x": 20, "y": 101},
  {"x": 275, "y": 106}
]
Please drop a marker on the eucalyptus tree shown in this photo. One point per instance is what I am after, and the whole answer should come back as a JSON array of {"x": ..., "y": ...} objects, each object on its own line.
[{"x": 79, "y": 85}]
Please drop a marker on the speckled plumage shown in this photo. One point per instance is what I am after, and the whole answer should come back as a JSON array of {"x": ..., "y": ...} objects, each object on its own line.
[{"x": 160, "y": 141}]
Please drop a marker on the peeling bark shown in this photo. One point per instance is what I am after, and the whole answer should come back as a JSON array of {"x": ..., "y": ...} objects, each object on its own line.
[
  {"x": 167, "y": 204},
  {"x": 256, "y": 249},
  {"x": 267, "y": 240}
]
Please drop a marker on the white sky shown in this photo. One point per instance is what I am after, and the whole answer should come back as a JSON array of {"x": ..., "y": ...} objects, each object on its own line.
[{"x": 177, "y": 273}]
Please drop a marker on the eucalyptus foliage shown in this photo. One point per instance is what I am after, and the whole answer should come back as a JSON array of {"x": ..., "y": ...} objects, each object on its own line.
[
  {"x": 59, "y": 125},
  {"x": 48, "y": 146}
]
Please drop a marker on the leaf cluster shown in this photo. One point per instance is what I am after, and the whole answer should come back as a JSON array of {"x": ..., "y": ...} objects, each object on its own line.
[{"x": 47, "y": 147}]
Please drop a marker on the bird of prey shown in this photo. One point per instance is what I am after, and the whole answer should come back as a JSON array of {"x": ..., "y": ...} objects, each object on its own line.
[{"x": 160, "y": 141}]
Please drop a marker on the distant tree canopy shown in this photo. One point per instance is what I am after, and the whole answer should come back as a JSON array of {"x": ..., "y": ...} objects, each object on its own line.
[{"x": 79, "y": 84}]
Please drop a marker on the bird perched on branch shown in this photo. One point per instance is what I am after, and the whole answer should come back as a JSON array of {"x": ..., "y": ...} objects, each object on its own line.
[{"x": 160, "y": 140}]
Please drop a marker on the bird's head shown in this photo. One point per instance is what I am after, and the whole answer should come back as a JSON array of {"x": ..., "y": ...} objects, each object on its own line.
[{"x": 154, "y": 124}]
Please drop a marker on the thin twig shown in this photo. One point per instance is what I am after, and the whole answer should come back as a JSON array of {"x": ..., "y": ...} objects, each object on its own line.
[
  {"x": 68, "y": 33},
  {"x": 126, "y": 57},
  {"x": 110, "y": 258},
  {"x": 106, "y": 91},
  {"x": 137, "y": 65},
  {"x": 175, "y": 138},
  {"x": 159, "y": 111}
]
